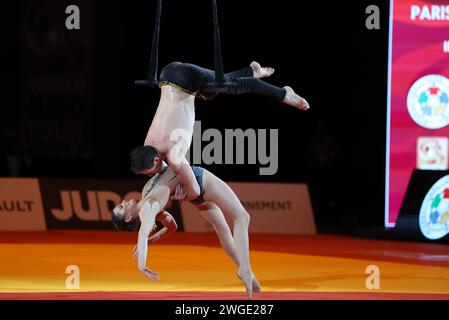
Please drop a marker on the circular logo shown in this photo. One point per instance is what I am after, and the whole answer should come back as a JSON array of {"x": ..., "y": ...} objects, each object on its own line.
[
  {"x": 434, "y": 213},
  {"x": 428, "y": 101}
]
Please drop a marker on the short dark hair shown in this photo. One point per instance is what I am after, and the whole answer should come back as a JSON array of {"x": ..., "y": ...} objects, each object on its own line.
[
  {"x": 121, "y": 225},
  {"x": 142, "y": 158}
]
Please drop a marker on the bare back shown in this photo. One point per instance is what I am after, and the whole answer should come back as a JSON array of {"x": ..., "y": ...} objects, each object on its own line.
[{"x": 176, "y": 111}]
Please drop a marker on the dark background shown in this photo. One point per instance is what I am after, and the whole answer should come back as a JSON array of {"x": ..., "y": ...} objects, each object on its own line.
[{"x": 70, "y": 108}]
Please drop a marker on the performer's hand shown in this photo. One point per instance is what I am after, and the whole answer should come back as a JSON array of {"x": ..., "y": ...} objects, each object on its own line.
[
  {"x": 153, "y": 276},
  {"x": 180, "y": 194}
]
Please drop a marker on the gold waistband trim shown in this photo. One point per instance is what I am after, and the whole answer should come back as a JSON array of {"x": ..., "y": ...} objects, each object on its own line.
[{"x": 193, "y": 93}]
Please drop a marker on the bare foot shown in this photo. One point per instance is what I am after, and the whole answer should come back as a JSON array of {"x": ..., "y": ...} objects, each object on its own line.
[
  {"x": 292, "y": 99},
  {"x": 247, "y": 278},
  {"x": 259, "y": 71},
  {"x": 256, "y": 285}
]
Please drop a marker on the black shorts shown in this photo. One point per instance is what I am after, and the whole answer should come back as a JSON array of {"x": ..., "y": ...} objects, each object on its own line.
[{"x": 188, "y": 77}]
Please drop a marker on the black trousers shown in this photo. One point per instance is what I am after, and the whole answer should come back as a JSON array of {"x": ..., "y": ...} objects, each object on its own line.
[{"x": 200, "y": 81}]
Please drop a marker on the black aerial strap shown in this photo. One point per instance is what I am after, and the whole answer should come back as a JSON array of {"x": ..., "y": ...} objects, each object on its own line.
[
  {"x": 219, "y": 85},
  {"x": 153, "y": 81},
  {"x": 218, "y": 58},
  {"x": 153, "y": 74},
  {"x": 155, "y": 46}
]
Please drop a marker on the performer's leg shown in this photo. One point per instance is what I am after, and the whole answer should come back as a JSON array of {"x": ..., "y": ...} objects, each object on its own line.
[
  {"x": 195, "y": 78},
  {"x": 254, "y": 70},
  {"x": 245, "y": 72},
  {"x": 222, "y": 195},
  {"x": 260, "y": 87},
  {"x": 247, "y": 80},
  {"x": 199, "y": 76},
  {"x": 212, "y": 213},
  {"x": 256, "y": 86}
]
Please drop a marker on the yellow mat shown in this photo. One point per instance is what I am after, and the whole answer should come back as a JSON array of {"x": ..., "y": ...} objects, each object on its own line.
[{"x": 110, "y": 267}]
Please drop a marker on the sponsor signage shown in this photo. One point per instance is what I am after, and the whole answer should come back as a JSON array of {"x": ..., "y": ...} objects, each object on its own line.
[
  {"x": 277, "y": 208},
  {"x": 40, "y": 204},
  {"x": 85, "y": 204},
  {"x": 21, "y": 205}
]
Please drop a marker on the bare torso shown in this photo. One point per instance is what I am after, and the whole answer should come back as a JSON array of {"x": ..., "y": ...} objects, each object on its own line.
[{"x": 176, "y": 111}]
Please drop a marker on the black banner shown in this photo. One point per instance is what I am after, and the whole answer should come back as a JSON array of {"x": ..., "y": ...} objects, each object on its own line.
[
  {"x": 86, "y": 204},
  {"x": 229, "y": 309}
]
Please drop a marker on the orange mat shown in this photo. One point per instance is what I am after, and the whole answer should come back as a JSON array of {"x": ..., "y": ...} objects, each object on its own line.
[{"x": 193, "y": 266}]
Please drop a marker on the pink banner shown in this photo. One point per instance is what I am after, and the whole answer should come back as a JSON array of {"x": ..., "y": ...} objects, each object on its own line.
[{"x": 418, "y": 95}]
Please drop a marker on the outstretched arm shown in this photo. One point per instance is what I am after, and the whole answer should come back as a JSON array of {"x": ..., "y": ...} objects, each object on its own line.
[
  {"x": 147, "y": 214},
  {"x": 147, "y": 217}
]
